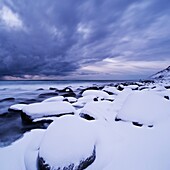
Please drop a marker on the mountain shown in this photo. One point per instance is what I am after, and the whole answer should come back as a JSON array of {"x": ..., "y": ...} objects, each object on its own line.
[{"x": 162, "y": 75}]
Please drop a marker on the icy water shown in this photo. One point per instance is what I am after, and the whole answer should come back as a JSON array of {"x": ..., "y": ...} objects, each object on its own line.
[{"x": 14, "y": 92}]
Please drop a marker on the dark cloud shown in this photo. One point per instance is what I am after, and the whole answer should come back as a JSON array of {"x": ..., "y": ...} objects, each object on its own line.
[{"x": 58, "y": 38}]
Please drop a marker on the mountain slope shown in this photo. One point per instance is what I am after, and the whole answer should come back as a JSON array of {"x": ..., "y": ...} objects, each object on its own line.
[{"x": 162, "y": 75}]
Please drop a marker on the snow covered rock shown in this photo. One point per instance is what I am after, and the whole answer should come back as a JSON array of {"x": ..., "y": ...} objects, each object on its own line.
[
  {"x": 98, "y": 110},
  {"x": 17, "y": 107},
  {"x": 54, "y": 99},
  {"x": 97, "y": 93},
  {"x": 72, "y": 146},
  {"x": 145, "y": 107},
  {"x": 83, "y": 100},
  {"x": 46, "y": 109},
  {"x": 133, "y": 87},
  {"x": 111, "y": 90},
  {"x": 71, "y": 99}
]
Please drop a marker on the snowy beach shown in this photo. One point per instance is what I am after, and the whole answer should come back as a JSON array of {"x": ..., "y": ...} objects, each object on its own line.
[{"x": 85, "y": 125}]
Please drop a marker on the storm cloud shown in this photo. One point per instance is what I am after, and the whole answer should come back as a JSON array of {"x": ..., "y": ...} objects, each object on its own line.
[{"x": 83, "y": 39}]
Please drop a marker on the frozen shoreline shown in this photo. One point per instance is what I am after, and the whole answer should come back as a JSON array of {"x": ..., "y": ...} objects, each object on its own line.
[{"x": 122, "y": 128}]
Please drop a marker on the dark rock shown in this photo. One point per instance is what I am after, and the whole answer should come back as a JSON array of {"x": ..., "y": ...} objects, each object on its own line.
[
  {"x": 43, "y": 165},
  {"x": 150, "y": 126},
  {"x": 26, "y": 119},
  {"x": 110, "y": 93},
  {"x": 89, "y": 88},
  {"x": 111, "y": 100},
  {"x": 86, "y": 116},
  {"x": 117, "y": 119},
  {"x": 8, "y": 99},
  {"x": 120, "y": 88},
  {"x": 66, "y": 92},
  {"x": 166, "y": 97},
  {"x": 45, "y": 95},
  {"x": 167, "y": 87},
  {"x": 143, "y": 87},
  {"x": 40, "y": 89},
  {"x": 67, "y": 89},
  {"x": 95, "y": 99},
  {"x": 52, "y": 88},
  {"x": 137, "y": 124}
]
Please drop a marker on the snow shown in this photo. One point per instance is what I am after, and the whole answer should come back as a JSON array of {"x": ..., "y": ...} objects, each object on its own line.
[
  {"x": 145, "y": 107},
  {"x": 97, "y": 93},
  {"x": 83, "y": 100},
  {"x": 69, "y": 144},
  {"x": 71, "y": 99},
  {"x": 17, "y": 107},
  {"x": 133, "y": 87},
  {"x": 99, "y": 110},
  {"x": 54, "y": 99},
  {"x": 118, "y": 144},
  {"x": 12, "y": 157},
  {"x": 111, "y": 89},
  {"x": 140, "y": 148},
  {"x": 37, "y": 110},
  {"x": 162, "y": 75}
]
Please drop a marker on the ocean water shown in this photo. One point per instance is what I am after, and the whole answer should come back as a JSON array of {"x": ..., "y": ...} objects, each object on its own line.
[{"x": 14, "y": 92}]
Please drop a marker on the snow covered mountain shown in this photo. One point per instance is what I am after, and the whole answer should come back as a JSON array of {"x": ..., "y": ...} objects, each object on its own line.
[{"x": 162, "y": 75}]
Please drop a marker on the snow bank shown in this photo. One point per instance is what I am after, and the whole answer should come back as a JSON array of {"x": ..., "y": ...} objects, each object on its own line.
[
  {"x": 145, "y": 107},
  {"x": 37, "y": 110},
  {"x": 140, "y": 148}
]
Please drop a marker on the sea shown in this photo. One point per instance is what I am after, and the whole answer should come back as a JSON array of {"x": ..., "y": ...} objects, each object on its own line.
[{"x": 14, "y": 92}]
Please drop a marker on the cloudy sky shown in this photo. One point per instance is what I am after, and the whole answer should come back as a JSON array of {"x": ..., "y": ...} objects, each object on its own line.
[{"x": 83, "y": 39}]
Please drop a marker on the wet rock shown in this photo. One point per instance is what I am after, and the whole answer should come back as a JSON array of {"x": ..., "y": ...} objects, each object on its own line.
[
  {"x": 8, "y": 99},
  {"x": 40, "y": 89},
  {"x": 52, "y": 88},
  {"x": 46, "y": 95}
]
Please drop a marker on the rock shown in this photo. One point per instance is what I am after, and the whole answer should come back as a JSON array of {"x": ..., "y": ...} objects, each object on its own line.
[
  {"x": 10, "y": 99},
  {"x": 45, "y": 95},
  {"x": 17, "y": 107},
  {"x": 40, "y": 89},
  {"x": 89, "y": 88},
  {"x": 145, "y": 107},
  {"x": 46, "y": 109},
  {"x": 52, "y": 88},
  {"x": 70, "y": 147},
  {"x": 86, "y": 116},
  {"x": 66, "y": 92}
]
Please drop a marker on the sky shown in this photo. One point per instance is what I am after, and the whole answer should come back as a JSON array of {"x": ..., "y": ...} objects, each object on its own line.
[{"x": 83, "y": 39}]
